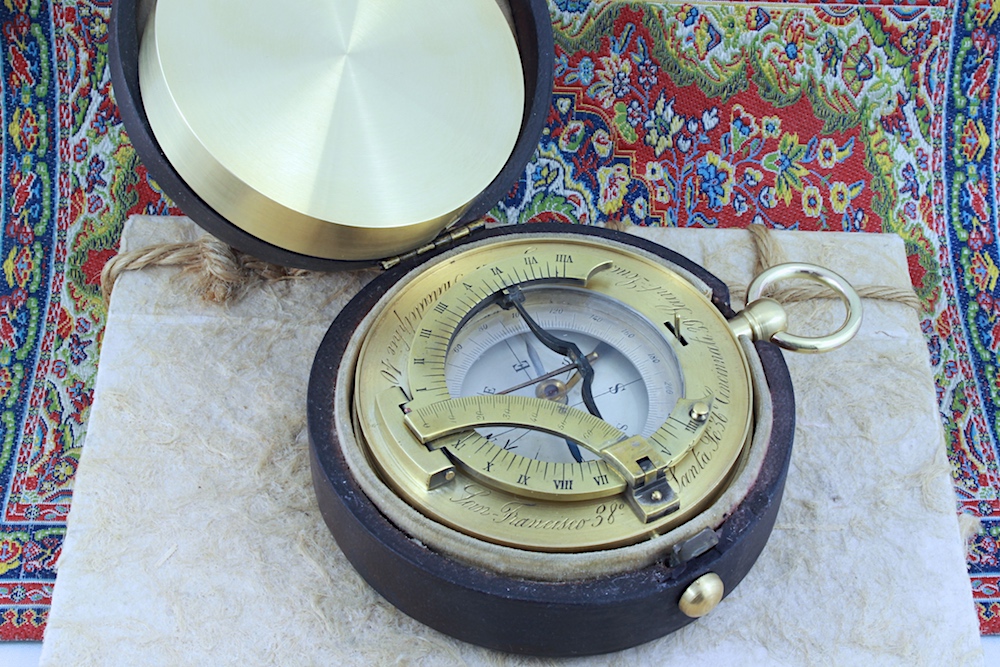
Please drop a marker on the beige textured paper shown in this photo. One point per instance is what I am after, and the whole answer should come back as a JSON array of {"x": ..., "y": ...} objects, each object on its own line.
[{"x": 194, "y": 537}]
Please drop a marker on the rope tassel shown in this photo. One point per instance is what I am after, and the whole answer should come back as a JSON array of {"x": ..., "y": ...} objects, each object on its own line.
[{"x": 221, "y": 274}]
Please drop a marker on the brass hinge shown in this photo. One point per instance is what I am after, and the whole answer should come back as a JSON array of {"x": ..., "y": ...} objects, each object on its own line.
[{"x": 447, "y": 238}]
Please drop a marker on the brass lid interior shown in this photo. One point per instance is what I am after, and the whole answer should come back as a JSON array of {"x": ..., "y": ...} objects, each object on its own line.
[{"x": 353, "y": 129}]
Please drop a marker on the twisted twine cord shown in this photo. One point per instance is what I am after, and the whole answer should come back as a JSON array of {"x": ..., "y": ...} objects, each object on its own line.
[
  {"x": 220, "y": 273},
  {"x": 223, "y": 274},
  {"x": 769, "y": 254}
]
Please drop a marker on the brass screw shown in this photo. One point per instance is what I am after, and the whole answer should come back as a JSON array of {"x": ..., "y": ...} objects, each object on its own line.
[
  {"x": 450, "y": 475},
  {"x": 656, "y": 496},
  {"x": 699, "y": 411}
]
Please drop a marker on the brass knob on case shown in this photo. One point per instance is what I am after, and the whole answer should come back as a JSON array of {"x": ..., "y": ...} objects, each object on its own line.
[{"x": 702, "y": 596}]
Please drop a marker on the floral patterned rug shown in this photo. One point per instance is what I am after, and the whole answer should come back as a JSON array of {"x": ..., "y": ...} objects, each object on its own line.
[{"x": 862, "y": 118}]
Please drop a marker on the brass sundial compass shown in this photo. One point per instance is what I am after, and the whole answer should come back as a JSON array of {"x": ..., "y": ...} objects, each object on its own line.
[{"x": 556, "y": 440}]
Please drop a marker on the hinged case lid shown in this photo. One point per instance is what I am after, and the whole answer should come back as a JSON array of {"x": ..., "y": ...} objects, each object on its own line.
[{"x": 239, "y": 114}]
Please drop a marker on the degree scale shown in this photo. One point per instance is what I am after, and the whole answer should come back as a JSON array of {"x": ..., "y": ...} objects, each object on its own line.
[{"x": 540, "y": 440}]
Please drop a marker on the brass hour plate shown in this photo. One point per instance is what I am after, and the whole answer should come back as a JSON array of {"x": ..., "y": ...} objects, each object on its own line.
[{"x": 563, "y": 507}]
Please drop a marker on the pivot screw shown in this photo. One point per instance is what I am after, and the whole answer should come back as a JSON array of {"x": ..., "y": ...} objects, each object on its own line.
[{"x": 699, "y": 411}]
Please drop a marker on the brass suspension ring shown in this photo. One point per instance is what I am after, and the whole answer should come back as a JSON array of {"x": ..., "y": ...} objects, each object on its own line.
[{"x": 843, "y": 289}]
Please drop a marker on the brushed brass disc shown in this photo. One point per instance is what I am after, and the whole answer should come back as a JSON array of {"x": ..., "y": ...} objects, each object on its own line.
[{"x": 345, "y": 129}]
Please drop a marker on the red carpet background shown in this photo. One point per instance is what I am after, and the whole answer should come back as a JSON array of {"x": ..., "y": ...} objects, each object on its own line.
[{"x": 861, "y": 118}]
